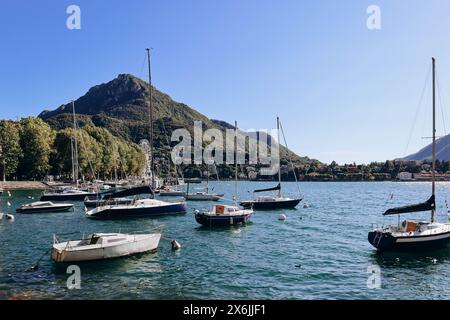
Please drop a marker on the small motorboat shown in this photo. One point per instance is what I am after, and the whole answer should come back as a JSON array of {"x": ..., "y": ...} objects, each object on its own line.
[
  {"x": 223, "y": 215},
  {"x": 138, "y": 208},
  {"x": 101, "y": 246},
  {"x": 203, "y": 196},
  {"x": 44, "y": 206},
  {"x": 92, "y": 202}
]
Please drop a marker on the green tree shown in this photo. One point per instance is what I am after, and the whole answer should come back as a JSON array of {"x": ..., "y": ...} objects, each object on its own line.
[
  {"x": 36, "y": 141},
  {"x": 10, "y": 150}
]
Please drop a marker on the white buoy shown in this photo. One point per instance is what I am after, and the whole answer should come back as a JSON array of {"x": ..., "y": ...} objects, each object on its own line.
[
  {"x": 434, "y": 260},
  {"x": 175, "y": 245},
  {"x": 281, "y": 217},
  {"x": 305, "y": 205},
  {"x": 30, "y": 197},
  {"x": 9, "y": 194},
  {"x": 9, "y": 217},
  {"x": 8, "y": 203}
]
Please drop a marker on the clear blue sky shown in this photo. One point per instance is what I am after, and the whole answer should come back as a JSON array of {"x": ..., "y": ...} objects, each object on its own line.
[{"x": 343, "y": 92}]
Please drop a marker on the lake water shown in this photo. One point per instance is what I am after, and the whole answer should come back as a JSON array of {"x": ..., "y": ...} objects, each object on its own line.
[{"x": 319, "y": 252}]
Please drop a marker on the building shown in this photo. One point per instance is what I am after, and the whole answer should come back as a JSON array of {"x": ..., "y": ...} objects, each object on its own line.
[{"x": 405, "y": 176}]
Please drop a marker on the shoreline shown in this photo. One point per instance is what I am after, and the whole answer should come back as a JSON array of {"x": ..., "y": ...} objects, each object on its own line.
[
  {"x": 22, "y": 185},
  {"x": 38, "y": 185}
]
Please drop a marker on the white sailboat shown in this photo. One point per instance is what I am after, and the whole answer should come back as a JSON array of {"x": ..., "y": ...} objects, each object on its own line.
[{"x": 143, "y": 207}]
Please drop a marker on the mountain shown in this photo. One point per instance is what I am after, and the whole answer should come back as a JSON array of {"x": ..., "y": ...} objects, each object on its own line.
[
  {"x": 121, "y": 106},
  {"x": 442, "y": 151}
]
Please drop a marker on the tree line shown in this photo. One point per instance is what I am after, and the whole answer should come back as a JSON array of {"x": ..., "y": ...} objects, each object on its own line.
[{"x": 31, "y": 150}]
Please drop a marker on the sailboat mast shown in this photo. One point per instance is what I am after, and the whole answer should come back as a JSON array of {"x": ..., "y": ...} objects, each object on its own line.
[
  {"x": 75, "y": 157},
  {"x": 235, "y": 163},
  {"x": 433, "y": 165},
  {"x": 152, "y": 164},
  {"x": 279, "y": 162}
]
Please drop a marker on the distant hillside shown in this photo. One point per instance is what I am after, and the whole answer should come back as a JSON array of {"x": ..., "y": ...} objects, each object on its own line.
[
  {"x": 442, "y": 151},
  {"x": 121, "y": 106}
]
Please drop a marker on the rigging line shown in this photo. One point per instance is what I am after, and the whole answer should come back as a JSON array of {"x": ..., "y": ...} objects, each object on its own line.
[
  {"x": 87, "y": 156},
  {"x": 290, "y": 159},
  {"x": 441, "y": 104},
  {"x": 142, "y": 67},
  {"x": 416, "y": 115}
]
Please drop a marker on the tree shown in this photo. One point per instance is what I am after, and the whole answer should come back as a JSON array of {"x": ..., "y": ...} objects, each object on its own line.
[
  {"x": 36, "y": 140},
  {"x": 10, "y": 150}
]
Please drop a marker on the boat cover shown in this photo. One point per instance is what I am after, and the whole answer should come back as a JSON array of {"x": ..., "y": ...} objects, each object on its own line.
[
  {"x": 428, "y": 205},
  {"x": 278, "y": 187}
]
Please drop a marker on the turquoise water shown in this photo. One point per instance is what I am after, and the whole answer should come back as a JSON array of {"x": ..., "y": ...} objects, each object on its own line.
[{"x": 319, "y": 252}]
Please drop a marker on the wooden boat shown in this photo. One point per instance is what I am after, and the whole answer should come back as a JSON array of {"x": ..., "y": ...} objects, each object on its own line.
[
  {"x": 101, "y": 246},
  {"x": 44, "y": 206},
  {"x": 415, "y": 235}
]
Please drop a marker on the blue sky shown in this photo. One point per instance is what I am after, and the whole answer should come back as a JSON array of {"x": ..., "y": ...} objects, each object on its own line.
[{"x": 343, "y": 92}]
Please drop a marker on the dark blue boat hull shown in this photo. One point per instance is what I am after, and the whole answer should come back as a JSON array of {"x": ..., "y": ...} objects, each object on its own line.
[
  {"x": 390, "y": 243},
  {"x": 178, "y": 208},
  {"x": 221, "y": 220},
  {"x": 271, "y": 205},
  {"x": 44, "y": 210}
]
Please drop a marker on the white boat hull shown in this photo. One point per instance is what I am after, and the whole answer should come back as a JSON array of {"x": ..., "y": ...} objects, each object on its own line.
[{"x": 139, "y": 244}]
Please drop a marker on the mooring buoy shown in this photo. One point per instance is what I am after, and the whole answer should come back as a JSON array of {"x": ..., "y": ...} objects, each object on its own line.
[{"x": 175, "y": 245}]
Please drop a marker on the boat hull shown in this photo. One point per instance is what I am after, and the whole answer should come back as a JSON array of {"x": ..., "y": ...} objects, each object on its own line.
[
  {"x": 387, "y": 242},
  {"x": 172, "y": 194},
  {"x": 66, "y": 197},
  {"x": 101, "y": 202},
  {"x": 143, "y": 244},
  {"x": 45, "y": 210},
  {"x": 139, "y": 212},
  {"x": 200, "y": 197},
  {"x": 221, "y": 220},
  {"x": 271, "y": 205}
]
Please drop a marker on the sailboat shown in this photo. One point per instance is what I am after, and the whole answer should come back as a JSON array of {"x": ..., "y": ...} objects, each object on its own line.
[
  {"x": 225, "y": 215},
  {"x": 203, "y": 195},
  {"x": 277, "y": 201},
  {"x": 141, "y": 207},
  {"x": 413, "y": 235},
  {"x": 69, "y": 193}
]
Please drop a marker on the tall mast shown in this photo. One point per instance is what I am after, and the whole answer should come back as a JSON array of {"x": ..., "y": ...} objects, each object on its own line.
[
  {"x": 433, "y": 166},
  {"x": 279, "y": 152},
  {"x": 75, "y": 157},
  {"x": 152, "y": 163},
  {"x": 72, "y": 157},
  {"x": 235, "y": 164}
]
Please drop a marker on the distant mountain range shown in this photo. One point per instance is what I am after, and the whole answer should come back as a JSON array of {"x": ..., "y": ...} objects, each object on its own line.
[
  {"x": 442, "y": 151},
  {"x": 121, "y": 106}
]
